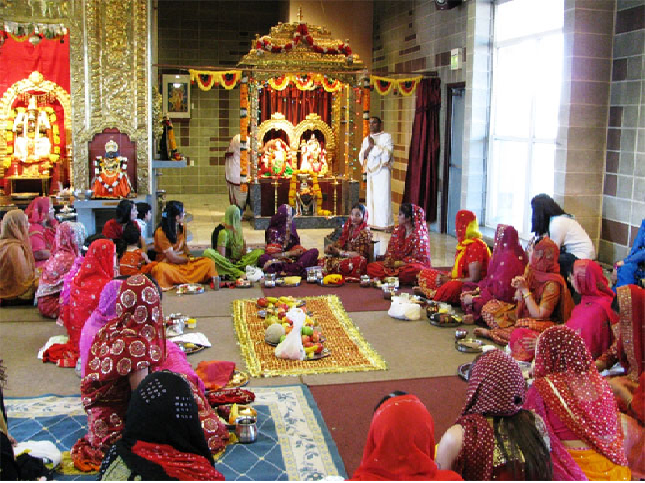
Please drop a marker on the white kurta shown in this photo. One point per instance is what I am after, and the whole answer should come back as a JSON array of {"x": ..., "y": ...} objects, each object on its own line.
[{"x": 378, "y": 165}]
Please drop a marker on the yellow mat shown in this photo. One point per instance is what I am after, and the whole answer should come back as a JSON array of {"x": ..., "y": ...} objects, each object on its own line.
[{"x": 350, "y": 352}]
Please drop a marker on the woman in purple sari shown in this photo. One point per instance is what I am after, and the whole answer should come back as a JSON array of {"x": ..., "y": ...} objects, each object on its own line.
[
  {"x": 508, "y": 261},
  {"x": 283, "y": 253}
]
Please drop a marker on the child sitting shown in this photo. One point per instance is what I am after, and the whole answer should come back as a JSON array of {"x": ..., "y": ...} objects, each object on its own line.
[
  {"x": 134, "y": 260},
  {"x": 144, "y": 216}
]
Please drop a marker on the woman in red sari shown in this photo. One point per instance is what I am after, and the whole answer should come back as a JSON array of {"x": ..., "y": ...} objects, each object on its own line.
[
  {"x": 97, "y": 270},
  {"x": 578, "y": 408},
  {"x": 348, "y": 255},
  {"x": 42, "y": 228},
  {"x": 495, "y": 438},
  {"x": 471, "y": 262},
  {"x": 593, "y": 317},
  {"x": 66, "y": 249},
  {"x": 122, "y": 354},
  {"x": 543, "y": 300},
  {"x": 508, "y": 261},
  {"x": 408, "y": 251},
  {"x": 400, "y": 444}
]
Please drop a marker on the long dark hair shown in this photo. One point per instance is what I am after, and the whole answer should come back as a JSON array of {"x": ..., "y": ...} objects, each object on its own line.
[
  {"x": 407, "y": 211},
  {"x": 168, "y": 223},
  {"x": 544, "y": 207},
  {"x": 124, "y": 211},
  {"x": 523, "y": 441},
  {"x": 360, "y": 207},
  {"x": 389, "y": 396}
]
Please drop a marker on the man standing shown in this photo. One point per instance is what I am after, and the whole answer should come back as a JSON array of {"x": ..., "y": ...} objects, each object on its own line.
[
  {"x": 377, "y": 160},
  {"x": 232, "y": 168}
]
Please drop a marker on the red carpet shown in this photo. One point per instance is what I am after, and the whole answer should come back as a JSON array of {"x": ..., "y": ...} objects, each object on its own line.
[
  {"x": 347, "y": 408},
  {"x": 353, "y": 297}
]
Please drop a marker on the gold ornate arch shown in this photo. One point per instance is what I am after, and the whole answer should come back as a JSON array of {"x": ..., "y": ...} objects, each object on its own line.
[
  {"x": 279, "y": 123},
  {"x": 313, "y": 122}
]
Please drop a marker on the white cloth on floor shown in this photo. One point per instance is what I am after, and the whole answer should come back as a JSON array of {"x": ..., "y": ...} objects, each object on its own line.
[{"x": 196, "y": 338}]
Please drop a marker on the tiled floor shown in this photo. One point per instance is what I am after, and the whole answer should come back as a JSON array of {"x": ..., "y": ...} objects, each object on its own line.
[{"x": 208, "y": 211}]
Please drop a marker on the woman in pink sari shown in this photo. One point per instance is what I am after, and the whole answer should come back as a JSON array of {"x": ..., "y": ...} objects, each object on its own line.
[
  {"x": 66, "y": 249},
  {"x": 578, "y": 408},
  {"x": 42, "y": 228},
  {"x": 508, "y": 261},
  {"x": 593, "y": 317}
]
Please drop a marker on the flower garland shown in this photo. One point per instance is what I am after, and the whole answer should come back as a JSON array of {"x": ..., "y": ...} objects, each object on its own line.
[
  {"x": 206, "y": 79},
  {"x": 315, "y": 189},
  {"x": 244, "y": 120},
  {"x": 305, "y": 82},
  {"x": 264, "y": 44},
  {"x": 9, "y": 135},
  {"x": 406, "y": 87},
  {"x": 366, "y": 107}
]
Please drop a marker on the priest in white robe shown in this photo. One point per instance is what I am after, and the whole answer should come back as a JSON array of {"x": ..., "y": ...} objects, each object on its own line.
[{"x": 377, "y": 159}]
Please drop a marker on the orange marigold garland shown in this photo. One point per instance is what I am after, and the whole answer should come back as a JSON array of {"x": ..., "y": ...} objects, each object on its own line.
[{"x": 244, "y": 104}]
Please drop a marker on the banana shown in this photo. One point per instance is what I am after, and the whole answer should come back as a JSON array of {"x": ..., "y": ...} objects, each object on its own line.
[
  {"x": 272, "y": 299},
  {"x": 286, "y": 299}
]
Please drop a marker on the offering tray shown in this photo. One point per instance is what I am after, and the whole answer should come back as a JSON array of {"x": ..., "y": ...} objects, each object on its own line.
[
  {"x": 189, "y": 288},
  {"x": 189, "y": 348},
  {"x": 325, "y": 353},
  {"x": 238, "y": 379},
  {"x": 469, "y": 345},
  {"x": 449, "y": 320},
  {"x": 243, "y": 284}
]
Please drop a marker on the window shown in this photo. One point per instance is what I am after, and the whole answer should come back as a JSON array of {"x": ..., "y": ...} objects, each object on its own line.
[{"x": 527, "y": 77}]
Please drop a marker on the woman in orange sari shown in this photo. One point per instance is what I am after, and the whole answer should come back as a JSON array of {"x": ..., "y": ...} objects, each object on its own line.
[
  {"x": 176, "y": 266},
  {"x": 543, "y": 301},
  {"x": 471, "y": 262},
  {"x": 42, "y": 228},
  {"x": 408, "y": 251},
  {"x": 17, "y": 267}
]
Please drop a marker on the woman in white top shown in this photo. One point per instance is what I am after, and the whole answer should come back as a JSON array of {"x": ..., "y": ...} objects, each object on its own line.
[{"x": 572, "y": 240}]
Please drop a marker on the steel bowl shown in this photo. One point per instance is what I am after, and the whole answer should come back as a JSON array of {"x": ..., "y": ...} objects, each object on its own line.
[{"x": 460, "y": 334}]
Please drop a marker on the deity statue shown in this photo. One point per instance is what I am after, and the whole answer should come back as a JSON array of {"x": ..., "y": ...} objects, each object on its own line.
[
  {"x": 32, "y": 142},
  {"x": 111, "y": 179},
  {"x": 313, "y": 156},
  {"x": 305, "y": 198},
  {"x": 168, "y": 144},
  {"x": 276, "y": 159}
]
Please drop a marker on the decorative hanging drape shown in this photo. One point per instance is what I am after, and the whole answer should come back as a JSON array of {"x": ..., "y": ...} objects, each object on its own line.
[
  {"x": 405, "y": 86},
  {"x": 206, "y": 79},
  {"x": 295, "y": 104},
  {"x": 423, "y": 165},
  {"x": 305, "y": 82}
]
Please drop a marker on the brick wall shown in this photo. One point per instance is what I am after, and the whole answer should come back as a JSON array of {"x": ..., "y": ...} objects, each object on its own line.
[
  {"x": 208, "y": 34},
  {"x": 623, "y": 199}
]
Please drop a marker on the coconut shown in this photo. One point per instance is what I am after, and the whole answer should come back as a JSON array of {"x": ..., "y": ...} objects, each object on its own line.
[{"x": 273, "y": 333}]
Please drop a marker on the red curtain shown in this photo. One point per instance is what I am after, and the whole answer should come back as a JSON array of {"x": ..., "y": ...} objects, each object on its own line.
[
  {"x": 295, "y": 104},
  {"x": 423, "y": 165}
]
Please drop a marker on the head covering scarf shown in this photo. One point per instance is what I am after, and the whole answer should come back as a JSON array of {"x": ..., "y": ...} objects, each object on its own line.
[
  {"x": 416, "y": 247},
  {"x": 282, "y": 229},
  {"x": 350, "y": 232},
  {"x": 38, "y": 210},
  {"x": 234, "y": 230},
  {"x": 164, "y": 440},
  {"x": 544, "y": 267},
  {"x": 496, "y": 388},
  {"x": 65, "y": 251},
  {"x": 591, "y": 283},
  {"x": 17, "y": 264},
  {"x": 630, "y": 339},
  {"x": 105, "y": 311},
  {"x": 508, "y": 261},
  {"x": 95, "y": 272},
  {"x": 568, "y": 382},
  {"x": 400, "y": 444},
  {"x": 468, "y": 238}
]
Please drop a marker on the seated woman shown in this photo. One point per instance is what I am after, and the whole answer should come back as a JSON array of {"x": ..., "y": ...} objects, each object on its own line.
[
  {"x": 348, "y": 255},
  {"x": 400, "y": 444},
  {"x": 593, "y": 317},
  {"x": 629, "y": 389},
  {"x": 631, "y": 270},
  {"x": 161, "y": 441},
  {"x": 283, "y": 252},
  {"x": 122, "y": 354},
  {"x": 230, "y": 257},
  {"x": 98, "y": 268},
  {"x": 543, "y": 300},
  {"x": 495, "y": 290},
  {"x": 17, "y": 265},
  {"x": 578, "y": 408},
  {"x": 495, "y": 438},
  {"x": 66, "y": 249},
  {"x": 175, "y": 265},
  {"x": 126, "y": 211},
  {"x": 408, "y": 251},
  {"x": 134, "y": 260},
  {"x": 42, "y": 228},
  {"x": 471, "y": 262}
]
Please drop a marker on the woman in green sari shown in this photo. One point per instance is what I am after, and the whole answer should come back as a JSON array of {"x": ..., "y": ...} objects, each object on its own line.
[{"x": 230, "y": 255}]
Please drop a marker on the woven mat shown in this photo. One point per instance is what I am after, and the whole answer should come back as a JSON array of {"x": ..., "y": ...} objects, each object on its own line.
[
  {"x": 350, "y": 352},
  {"x": 293, "y": 441}
]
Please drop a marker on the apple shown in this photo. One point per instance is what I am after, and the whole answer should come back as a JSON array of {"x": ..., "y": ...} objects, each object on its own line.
[
  {"x": 262, "y": 302},
  {"x": 305, "y": 339},
  {"x": 319, "y": 348},
  {"x": 308, "y": 344}
]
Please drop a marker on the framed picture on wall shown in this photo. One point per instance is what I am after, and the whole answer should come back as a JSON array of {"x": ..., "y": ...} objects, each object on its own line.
[{"x": 176, "y": 95}]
